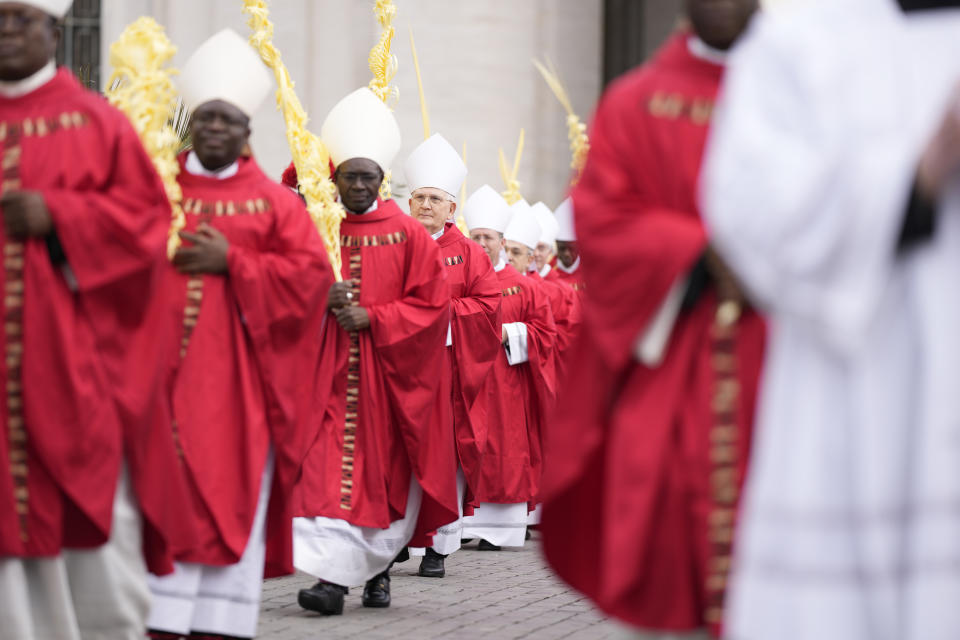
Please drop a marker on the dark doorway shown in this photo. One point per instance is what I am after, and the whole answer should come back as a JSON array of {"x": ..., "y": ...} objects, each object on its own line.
[{"x": 633, "y": 29}]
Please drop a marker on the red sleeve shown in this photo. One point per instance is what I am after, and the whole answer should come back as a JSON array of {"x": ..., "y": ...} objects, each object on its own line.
[
  {"x": 475, "y": 325},
  {"x": 277, "y": 289},
  {"x": 113, "y": 230},
  {"x": 281, "y": 292},
  {"x": 117, "y": 229},
  {"x": 541, "y": 346},
  {"x": 621, "y": 220},
  {"x": 424, "y": 305},
  {"x": 409, "y": 335}
]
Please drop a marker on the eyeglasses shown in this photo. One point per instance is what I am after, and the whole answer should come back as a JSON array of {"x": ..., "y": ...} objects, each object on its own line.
[{"x": 421, "y": 198}]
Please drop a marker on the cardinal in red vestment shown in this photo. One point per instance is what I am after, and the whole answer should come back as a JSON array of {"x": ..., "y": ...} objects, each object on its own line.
[
  {"x": 434, "y": 173},
  {"x": 648, "y": 448},
  {"x": 384, "y": 444},
  {"x": 85, "y": 219},
  {"x": 245, "y": 289},
  {"x": 522, "y": 387},
  {"x": 567, "y": 270}
]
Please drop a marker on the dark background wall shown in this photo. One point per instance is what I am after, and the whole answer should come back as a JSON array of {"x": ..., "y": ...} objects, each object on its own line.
[{"x": 633, "y": 29}]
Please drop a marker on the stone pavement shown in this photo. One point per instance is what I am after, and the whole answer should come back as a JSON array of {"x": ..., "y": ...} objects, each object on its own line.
[{"x": 489, "y": 595}]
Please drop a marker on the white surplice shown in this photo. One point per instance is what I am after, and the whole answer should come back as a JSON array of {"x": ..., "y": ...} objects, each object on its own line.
[
  {"x": 217, "y": 599},
  {"x": 851, "y": 521},
  {"x": 342, "y": 553},
  {"x": 97, "y": 594}
]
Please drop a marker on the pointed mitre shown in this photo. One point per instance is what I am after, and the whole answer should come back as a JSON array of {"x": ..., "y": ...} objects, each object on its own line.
[
  {"x": 56, "y": 8},
  {"x": 548, "y": 223},
  {"x": 227, "y": 68},
  {"x": 523, "y": 226},
  {"x": 564, "y": 216},
  {"x": 486, "y": 209},
  {"x": 361, "y": 126},
  {"x": 435, "y": 163}
]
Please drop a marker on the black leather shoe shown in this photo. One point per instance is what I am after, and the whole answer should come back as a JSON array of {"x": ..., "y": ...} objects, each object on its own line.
[
  {"x": 432, "y": 565},
  {"x": 323, "y": 597},
  {"x": 403, "y": 556},
  {"x": 486, "y": 546},
  {"x": 376, "y": 593},
  {"x": 466, "y": 540},
  {"x": 528, "y": 535}
]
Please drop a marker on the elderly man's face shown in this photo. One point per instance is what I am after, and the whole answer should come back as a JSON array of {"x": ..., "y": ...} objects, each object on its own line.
[
  {"x": 491, "y": 241},
  {"x": 519, "y": 255},
  {"x": 358, "y": 183},
  {"x": 542, "y": 255},
  {"x": 567, "y": 253},
  {"x": 432, "y": 207},
  {"x": 219, "y": 132},
  {"x": 28, "y": 40}
]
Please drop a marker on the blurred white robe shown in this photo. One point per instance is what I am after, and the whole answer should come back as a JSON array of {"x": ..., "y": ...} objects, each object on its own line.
[{"x": 851, "y": 522}]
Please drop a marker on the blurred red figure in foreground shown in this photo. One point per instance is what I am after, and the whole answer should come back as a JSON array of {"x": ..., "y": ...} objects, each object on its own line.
[
  {"x": 650, "y": 442},
  {"x": 832, "y": 188}
]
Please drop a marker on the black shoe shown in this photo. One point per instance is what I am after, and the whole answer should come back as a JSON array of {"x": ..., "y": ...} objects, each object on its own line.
[
  {"x": 486, "y": 546},
  {"x": 376, "y": 593},
  {"x": 323, "y": 597},
  {"x": 528, "y": 535},
  {"x": 403, "y": 556},
  {"x": 432, "y": 565},
  {"x": 466, "y": 540}
]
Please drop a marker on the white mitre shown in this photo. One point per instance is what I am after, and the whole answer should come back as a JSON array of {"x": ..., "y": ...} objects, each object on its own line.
[
  {"x": 564, "y": 216},
  {"x": 548, "y": 223},
  {"x": 523, "y": 226},
  {"x": 436, "y": 164},
  {"x": 361, "y": 126},
  {"x": 56, "y": 8},
  {"x": 227, "y": 68},
  {"x": 486, "y": 209}
]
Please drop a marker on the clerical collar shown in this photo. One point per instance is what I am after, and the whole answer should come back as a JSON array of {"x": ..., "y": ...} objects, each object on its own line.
[
  {"x": 370, "y": 209},
  {"x": 571, "y": 268},
  {"x": 700, "y": 49},
  {"x": 195, "y": 167},
  {"x": 500, "y": 266},
  {"x": 545, "y": 270},
  {"x": 17, "y": 88},
  {"x": 438, "y": 234}
]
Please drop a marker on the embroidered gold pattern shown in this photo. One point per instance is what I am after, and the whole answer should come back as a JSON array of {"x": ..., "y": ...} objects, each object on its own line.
[
  {"x": 724, "y": 456},
  {"x": 13, "y": 262},
  {"x": 453, "y": 261},
  {"x": 397, "y": 237},
  {"x": 512, "y": 291},
  {"x": 352, "y": 414},
  {"x": 673, "y": 106},
  {"x": 39, "y": 127},
  {"x": 220, "y": 208}
]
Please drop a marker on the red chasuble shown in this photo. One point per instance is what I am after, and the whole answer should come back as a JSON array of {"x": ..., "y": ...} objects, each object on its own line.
[
  {"x": 475, "y": 296},
  {"x": 645, "y": 464},
  {"x": 239, "y": 332},
  {"x": 520, "y": 396},
  {"x": 565, "y": 304},
  {"x": 379, "y": 400},
  {"x": 81, "y": 343},
  {"x": 573, "y": 280}
]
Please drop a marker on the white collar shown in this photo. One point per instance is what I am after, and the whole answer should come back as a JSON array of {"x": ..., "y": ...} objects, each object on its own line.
[
  {"x": 500, "y": 266},
  {"x": 195, "y": 167},
  {"x": 702, "y": 50},
  {"x": 438, "y": 234},
  {"x": 545, "y": 270},
  {"x": 17, "y": 88},
  {"x": 571, "y": 268}
]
